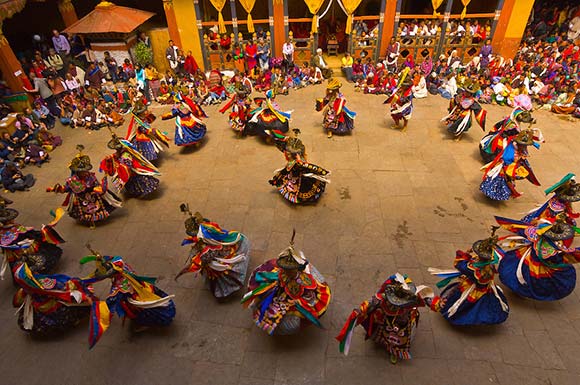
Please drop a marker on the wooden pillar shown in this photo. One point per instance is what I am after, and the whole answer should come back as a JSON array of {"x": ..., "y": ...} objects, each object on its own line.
[
  {"x": 286, "y": 24},
  {"x": 448, "y": 8},
  {"x": 199, "y": 15},
  {"x": 387, "y": 23},
  {"x": 511, "y": 26},
  {"x": 234, "y": 19},
  {"x": 279, "y": 27},
  {"x": 172, "y": 22},
  {"x": 498, "y": 10},
  {"x": 10, "y": 66},
  {"x": 68, "y": 13},
  {"x": 398, "y": 6},
  {"x": 188, "y": 28}
]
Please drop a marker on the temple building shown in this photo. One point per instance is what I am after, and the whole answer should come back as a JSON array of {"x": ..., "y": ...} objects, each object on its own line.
[{"x": 209, "y": 28}]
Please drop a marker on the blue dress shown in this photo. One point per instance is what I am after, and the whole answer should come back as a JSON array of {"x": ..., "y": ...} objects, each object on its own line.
[
  {"x": 188, "y": 129},
  {"x": 484, "y": 305},
  {"x": 549, "y": 280}
]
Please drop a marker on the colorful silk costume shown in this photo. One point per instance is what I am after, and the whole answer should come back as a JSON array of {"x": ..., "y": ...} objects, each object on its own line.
[
  {"x": 131, "y": 296},
  {"x": 566, "y": 191},
  {"x": 299, "y": 181},
  {"x": 240, "y": 111},
  {"x": 390, "y": 317},
  {"x": 538, "y": 264},
  {"x": 461, "y": 108},
  {"x": 87, "y": 200},
  {"x": 49, "y": 304},
  {"x": 510, "y": 165},
  {"x": 267, "y": 117},
  {"x": 287, "y": 294},
  {"x": 401, "y": 101},
  {"x": 503, "y": 133},
  {"x": 147, "y": 140},
  {"x": 129, "y": 169},
  {"x": 474, "y": 298},
  {"x": 337, "y": 119},
  {"x": 25, "y": 244},
  {"x": 221, "y": 256},
  {"x": 189, "y": 129}
]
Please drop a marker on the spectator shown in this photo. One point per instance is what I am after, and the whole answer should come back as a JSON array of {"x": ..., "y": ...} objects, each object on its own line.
[
  {"x": 288, "y": 52},
  {"x": 172, "y": 54},
  {"x": 13, "y": 179},
  {"x": 112, "y": 66},
  {"x": 43, "y": 115},
  {"x": 41, "y": 87},
  {"x": 60, "y": 43},
  {"x": 55, "y": 61},
  {"x": 263, "y": 53},
  {"x": 319, "y": 62},
  {"x": 346, "y": 66}
]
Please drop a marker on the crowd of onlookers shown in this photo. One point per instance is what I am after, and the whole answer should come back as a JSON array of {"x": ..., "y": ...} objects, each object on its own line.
[
  {"x": 72, "y": 87},
  {"x": 546, "y": 66}
]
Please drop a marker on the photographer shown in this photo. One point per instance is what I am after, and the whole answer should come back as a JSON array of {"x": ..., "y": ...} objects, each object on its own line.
[{"x": 43, "y": 89}]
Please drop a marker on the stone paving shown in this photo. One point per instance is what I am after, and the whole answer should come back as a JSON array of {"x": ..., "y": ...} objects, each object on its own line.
[{"x": 397, "y": 202}]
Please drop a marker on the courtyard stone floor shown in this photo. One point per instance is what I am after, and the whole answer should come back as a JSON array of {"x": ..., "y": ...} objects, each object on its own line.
[{"x": 397, "y": 202}]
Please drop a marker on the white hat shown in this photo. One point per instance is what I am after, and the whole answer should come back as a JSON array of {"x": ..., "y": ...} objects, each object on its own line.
[{"x": 319, "y": 50}]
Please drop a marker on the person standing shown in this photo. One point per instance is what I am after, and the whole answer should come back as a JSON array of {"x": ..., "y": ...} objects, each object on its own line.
[
  {"x": 288, "y": 52},
  {"x": 41, "y": 87},
  {"x": 251, "y": 54},
  {"x": 190, "y": 65},
  {"x": 55, "y": 61},
  {"x": 172, "y": 54},
  {"x": 391, "y": 60},
  {"x": 112, "y": 66},
  {"x": 263, "y": 53},
  {"x": 62, "y": 48},
  {"x": 485, "y": 54},
  {"x": 60, "y": 43},
  {"x": 94, "y": 77}
]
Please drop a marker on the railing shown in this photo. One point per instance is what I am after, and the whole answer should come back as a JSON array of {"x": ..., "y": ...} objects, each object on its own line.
[
  {"x": 419, "y": 47},
  {"x": 369, "y": 43},
  {"x": 303, "y": 48},
  {"x": 223, "y": 59},
  {"x": 465, "y": 46}
]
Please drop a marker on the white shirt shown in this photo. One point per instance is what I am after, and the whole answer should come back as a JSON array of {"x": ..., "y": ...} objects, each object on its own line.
[
  {"x": 288, "y": 49},
  {"x": 72, "y": 84}
]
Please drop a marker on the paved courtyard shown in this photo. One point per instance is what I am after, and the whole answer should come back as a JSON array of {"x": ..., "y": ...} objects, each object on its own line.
[{"x": 397, "y": 202}]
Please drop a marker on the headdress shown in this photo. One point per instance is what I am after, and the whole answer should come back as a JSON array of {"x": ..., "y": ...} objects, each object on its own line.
[
  {"x": 566, "y": 189},
  {"x": 333, "y": 84},
  {"x": 560, "y": 231},
  {"x": 114, "y": 143},
  {"x": 289, "y": 259},
  {"x": 192, "y": 223},
  {"x": 80, "y": 162},
  {"x": 525, "y": 138},
  {"x": 484, "y": 248},
  {"x": 400, "y": 291},
  {"x": 104, "y": 267},
  {"x": 471, "y": 86},
  {"x": 294, "y": 145},
  {"x": 6, "y": 214},
  {"x": 522, "y": 115}
]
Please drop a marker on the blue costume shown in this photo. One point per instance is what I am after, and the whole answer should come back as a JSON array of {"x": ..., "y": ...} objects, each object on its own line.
[
  {"x": 474, "y": 299},
  {"x": 539, "y": 266},
  {"x": 189, "y": 129}
]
